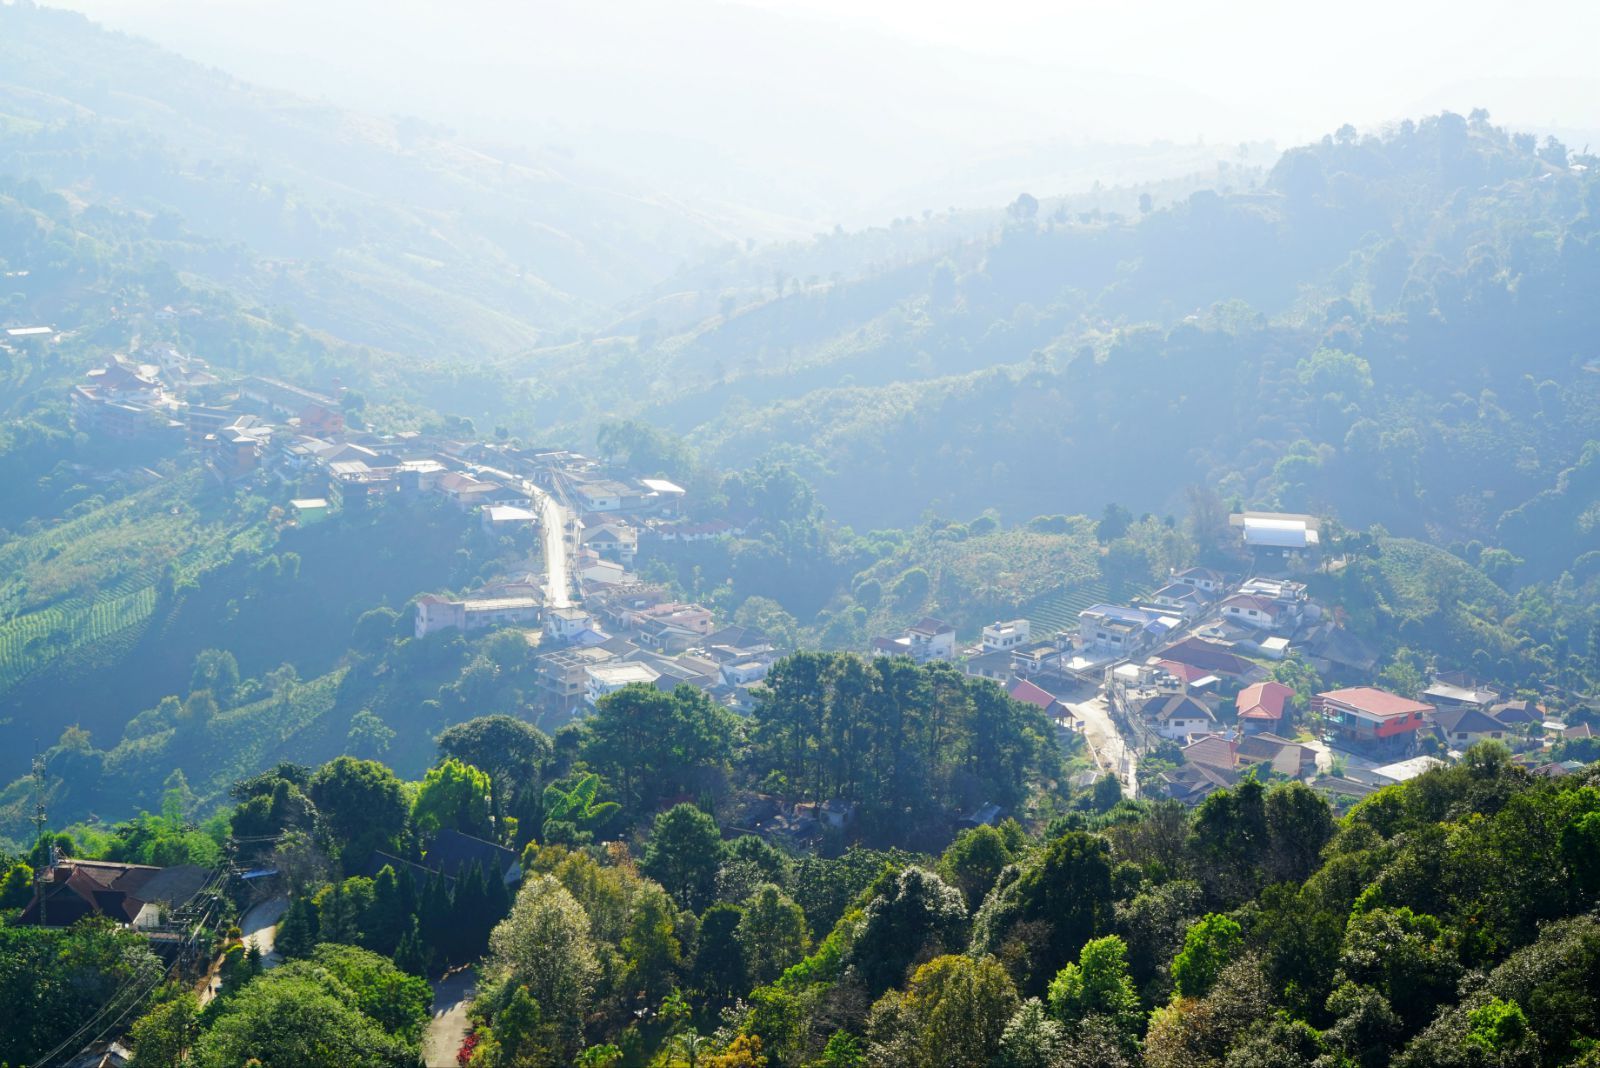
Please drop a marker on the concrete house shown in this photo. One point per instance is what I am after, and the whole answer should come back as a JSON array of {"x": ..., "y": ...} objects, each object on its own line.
[
  {"x": 1181, "y": 599},
  {"x": 1178, "y": 716},
  {"x": 1007, "y": 635},
  {"x": 1122, "y": 630},
  {"x": 932, "y": 639},
  {"x": 1203, "y": 579},
  {"x": 435, "y": 613},
  {"x": 608, "y": 678},
  {"x": 1262, "y": 706},
  {"x": 1373, "y": 719},
  {"x": 1252, "y": 611},
  {"x": 1462, "y": 727}
]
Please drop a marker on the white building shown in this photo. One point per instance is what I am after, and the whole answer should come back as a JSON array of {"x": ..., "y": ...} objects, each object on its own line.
[
  {"x": 1003, "y": 636},
  {"x": 564, "y": 624},
  {"x": 603, "y": 679},
  {"x": 932, "y": 639},
  {"x": 436, "y": 613}
]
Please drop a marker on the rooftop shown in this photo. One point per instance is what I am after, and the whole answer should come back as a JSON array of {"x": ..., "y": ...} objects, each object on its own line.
[
  {"x": 624, "y": 673},
  {"x": 1375, "y": 702}
]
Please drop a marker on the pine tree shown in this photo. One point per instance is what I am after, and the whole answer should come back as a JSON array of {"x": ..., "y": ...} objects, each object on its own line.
[
  {"x": 336, "y": 917},
  {"x": 385, "y": 921},
  {"x": 297, "y": 932},
  {"x": 467, "y": 938},
  {"x": 407, "y": 886},
  {"x": 498, "y": 902},
  {"x": 411, "y": 956},
  {"x": 433, "y": 916}
]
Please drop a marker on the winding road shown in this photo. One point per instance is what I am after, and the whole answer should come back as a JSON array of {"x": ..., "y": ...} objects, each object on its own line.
[{"x": 259, "y": 926}]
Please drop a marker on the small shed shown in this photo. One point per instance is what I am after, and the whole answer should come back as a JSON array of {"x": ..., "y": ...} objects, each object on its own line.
[{"x": 309, "y": 510}]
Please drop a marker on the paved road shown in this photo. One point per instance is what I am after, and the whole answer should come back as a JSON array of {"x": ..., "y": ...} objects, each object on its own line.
[
  {"x": 1105, "y": 741},
  {"x": 259, "y": 926},
  {"x": 553, "y": 518},
  {"x": 448, "y": 1027}
]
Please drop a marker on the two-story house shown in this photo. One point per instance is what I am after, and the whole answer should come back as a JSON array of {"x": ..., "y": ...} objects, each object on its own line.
[
  {"x": 1006, "y": 635},
  {"x": 932, "y": 639},
  {"x": 1369, "y": 718}
]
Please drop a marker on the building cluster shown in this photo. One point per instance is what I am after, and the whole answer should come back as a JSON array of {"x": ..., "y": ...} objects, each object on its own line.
[
  {"x": 636, "y": 633},
  {"x": 146, "y": 398},
  {"x": 1183, "y": 675}
]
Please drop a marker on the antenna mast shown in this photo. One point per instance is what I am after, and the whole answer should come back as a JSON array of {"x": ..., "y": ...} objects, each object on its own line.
[{"x": 44, "y": 869}]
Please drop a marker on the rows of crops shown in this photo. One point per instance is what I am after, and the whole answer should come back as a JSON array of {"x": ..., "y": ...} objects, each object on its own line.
[
  {"x": 29, "y": 642},
  {"x": 1058, "y": 609}
]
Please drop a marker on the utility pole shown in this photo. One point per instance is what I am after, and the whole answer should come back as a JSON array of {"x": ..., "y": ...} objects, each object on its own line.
[{"x": 40, "y": 872}]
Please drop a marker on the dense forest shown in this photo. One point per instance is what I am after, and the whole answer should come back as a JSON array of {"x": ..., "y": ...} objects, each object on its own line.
[{"x": 1445, "y": 921}]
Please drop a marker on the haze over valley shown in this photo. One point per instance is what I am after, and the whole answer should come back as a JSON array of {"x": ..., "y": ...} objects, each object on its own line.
[{"x": 795, "y": 534}]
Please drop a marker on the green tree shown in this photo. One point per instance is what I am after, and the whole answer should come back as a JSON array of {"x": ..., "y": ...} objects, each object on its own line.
[
  {"x": 544, "y": 945},
  {"x": 361, "y": 806},
  {"x": 375, "y": 629},
  {"x": 1059, "y": 900},
  {"x": 1410, "y": 958},
  {"x": 719, "y": 968},
  {"x": 297, "y": 931},
  {"x": 1211, "y": 943},
  {"x": 573, "y": 811},
  {"x": 1031, "y": 1039},
  {"x": 915, "y": 916},
  {"x": 772, "y": 934},
  {"x": 16, "y": 886},
  {"x": 653, "y": 745},
  {"x": 684, "y": 854},
  {"x": 381, "y": 991},
  {"x": 453, "y": 796},
  {"x": 651, "y": 948},
  {"x": 953, "y": 1013},
  {"x": 514, "y": 754},
  {"x": 294, "y": 1018},
  {"x": 974, "y": 861},
  {"x": 1099, "y": 984},
  {"x": 162, "y": 1037},
  {"x": 390, "y": 914},
  {"x": 216, "y": 672},
  {"x": 369, "y": 734}
]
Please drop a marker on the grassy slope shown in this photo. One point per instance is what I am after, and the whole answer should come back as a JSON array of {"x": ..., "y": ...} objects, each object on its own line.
[{"x": 975, "y": 580}]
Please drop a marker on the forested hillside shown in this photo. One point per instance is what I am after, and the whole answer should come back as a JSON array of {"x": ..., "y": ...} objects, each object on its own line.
[
  {"x": 1448, "y": 921},
  {"x": 381, "y": 231},
  {"x": 1402, "y": 304},
  {"x": 475, "y": 558}
]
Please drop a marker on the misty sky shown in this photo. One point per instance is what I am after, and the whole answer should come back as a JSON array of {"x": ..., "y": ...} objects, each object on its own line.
[{"x": 844, "y": 106}]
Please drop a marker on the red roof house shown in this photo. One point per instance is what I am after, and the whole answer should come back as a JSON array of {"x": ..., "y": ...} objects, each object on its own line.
[
  {"x": 1261, "y": 705},
  {"x": 1026, "y": 692},
  {"x": 1366, "y": 715}
]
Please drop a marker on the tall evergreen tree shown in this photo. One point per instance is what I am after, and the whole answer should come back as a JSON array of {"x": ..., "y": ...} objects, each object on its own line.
[{"x": 297, "y": 931}]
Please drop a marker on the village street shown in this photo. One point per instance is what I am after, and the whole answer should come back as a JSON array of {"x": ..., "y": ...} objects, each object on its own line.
[
  {"x": 553, "y": 520},
  {"x": 1111, "y": 753}
]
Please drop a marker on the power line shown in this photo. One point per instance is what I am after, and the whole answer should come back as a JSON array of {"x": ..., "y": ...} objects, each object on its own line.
[{"x": 212, "y": 884}]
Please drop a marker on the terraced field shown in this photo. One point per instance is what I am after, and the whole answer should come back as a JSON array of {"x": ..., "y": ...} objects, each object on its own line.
[
  {"x": 1058, "y": 609},
  {"x": 93, "y": 579}
]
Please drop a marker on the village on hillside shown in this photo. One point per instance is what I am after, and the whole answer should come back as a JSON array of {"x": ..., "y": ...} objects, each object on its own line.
[{"x": 1175, "y": 694}]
